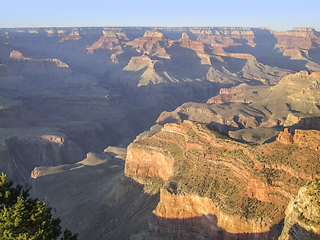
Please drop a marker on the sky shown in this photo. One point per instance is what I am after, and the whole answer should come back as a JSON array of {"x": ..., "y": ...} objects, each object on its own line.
[{"x": 277, "y": 15}]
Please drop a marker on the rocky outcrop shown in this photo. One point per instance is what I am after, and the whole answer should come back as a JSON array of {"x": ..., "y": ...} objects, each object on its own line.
[
  {"x": 225, "y": 118},
  {"x": 73, "y": 36},
  {"x": 110, "y": 40},
  {"x": 303, "y": 214},
  {"x": 213, "y": 186},
  {"x": 154, "y": 34},
  {"x": 153, "y": 43},
  {"x": 309, "y": 139},
  {"x": 17, "y": 61},
  {"x": 16, "y": 54},
  {"x": 227, "y": 95},
  {"x": 292, "y": 103},
  {"x": 138, "y": 63},
  {"x": 196, "y": 46},
  {"x": 303, "y": 121},
  {"x": 28, "y": 148},
  {"x": 148, "y": 163},
  {"x": 285, "y": 137},
  {"x": 302, "y": 80}
]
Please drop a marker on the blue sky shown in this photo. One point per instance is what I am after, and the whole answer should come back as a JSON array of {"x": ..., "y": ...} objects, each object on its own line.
[{"x": 277, "y": 15}]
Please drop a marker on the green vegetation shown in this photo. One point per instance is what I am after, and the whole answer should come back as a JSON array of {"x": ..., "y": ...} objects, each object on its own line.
[
  {"x": 228, "y": 172},
  {"x": 307, "y": 221},
  {"x": 254, "y": 208},
  {"x": 282, "y": 155},
  {"x": 314, "y": 189},
  {"x": 311, "y": 200},
  {"x": 22, "y": 217},
  {"x": 153, "y": 185}
]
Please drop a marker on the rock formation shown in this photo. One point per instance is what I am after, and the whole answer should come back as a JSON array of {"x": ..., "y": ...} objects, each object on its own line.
[
  {"x": 73, "y": 36},
  {"x": 212, "y": 186},
  {"x": 22, "y": 149},
  {"x": 292, "y": 103},
  {"x": 303, "y": 214},
  {"x": 65, "y": 92}
]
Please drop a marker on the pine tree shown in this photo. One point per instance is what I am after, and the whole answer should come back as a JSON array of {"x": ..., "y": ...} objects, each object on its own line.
[{"x": 25, "y": 218}]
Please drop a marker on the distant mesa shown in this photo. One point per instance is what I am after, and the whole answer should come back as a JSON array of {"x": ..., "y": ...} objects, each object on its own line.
[
  {"x": 73, "y": 36},
  {"x": 17, "y": 60},
  {"x": 294, "y": 53},
  {"x": 154, "y": 34},
  {"x": 111, "y": 40},
  {"x": 16, "y": 54},
  {"x": 153, "y": 43}
]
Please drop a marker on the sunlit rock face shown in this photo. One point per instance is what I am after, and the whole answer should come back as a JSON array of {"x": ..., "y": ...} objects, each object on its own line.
[
  {"x": 303, "y": 214},
  {"x": 213, "y": 186}
]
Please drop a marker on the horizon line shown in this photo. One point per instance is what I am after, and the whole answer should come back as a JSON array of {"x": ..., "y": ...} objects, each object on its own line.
[{"x": 226, "y": 27}]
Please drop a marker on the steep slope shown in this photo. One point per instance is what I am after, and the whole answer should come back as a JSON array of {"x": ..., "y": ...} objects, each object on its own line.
[
  {"x": 23, "y": 149},
  {"x": 212, "y": 186},
  {"x": 302, "y": 214},
  {"x": 91, "y": 196}
]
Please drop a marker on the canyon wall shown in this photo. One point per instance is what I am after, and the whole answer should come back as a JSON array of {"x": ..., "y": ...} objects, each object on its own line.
[
  {"x": 302, "y": 214},
  {"x": 218, "y": 187}
]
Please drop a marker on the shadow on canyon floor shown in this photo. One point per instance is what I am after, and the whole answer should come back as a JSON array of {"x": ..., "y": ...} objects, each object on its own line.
[
  {"x": 206, "y": 227},
  {"x": 94, "y": 199},
  {"x": 297, "y": 232}
]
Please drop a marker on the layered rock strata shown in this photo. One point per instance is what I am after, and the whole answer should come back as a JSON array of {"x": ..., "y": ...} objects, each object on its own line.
[
  {"x": 212, "y": 186},
  {"x": 292, "y": 103},
  {"x": 303, "y": 214}
]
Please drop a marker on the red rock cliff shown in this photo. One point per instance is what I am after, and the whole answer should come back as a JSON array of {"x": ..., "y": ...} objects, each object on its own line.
[{"x": 217, "y": 187}]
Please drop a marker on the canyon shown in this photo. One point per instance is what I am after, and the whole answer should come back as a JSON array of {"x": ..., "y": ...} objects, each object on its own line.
[{"x": 164, "y": 133}]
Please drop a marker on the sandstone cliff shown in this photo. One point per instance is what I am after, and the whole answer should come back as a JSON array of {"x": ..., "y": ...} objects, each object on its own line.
[
  {"x": 303, "y": 214},
  {"x": 212, "y": 186}
]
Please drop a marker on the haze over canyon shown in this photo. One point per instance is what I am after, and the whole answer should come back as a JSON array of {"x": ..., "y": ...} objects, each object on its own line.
[{"x": 165, "y": 133}]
